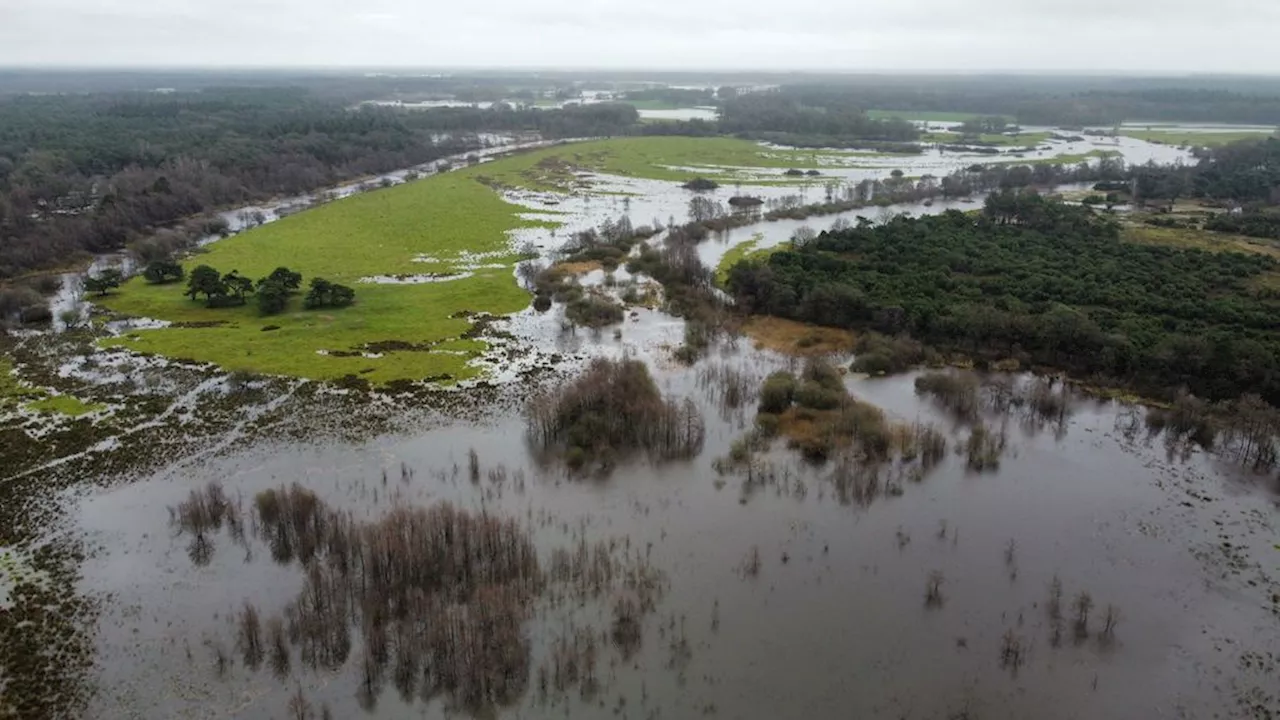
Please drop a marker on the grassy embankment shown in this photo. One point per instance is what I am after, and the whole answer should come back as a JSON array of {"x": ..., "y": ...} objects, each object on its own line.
[
  {"x": 1174, "y": 136},
  {"x": 446, "y": 218}
]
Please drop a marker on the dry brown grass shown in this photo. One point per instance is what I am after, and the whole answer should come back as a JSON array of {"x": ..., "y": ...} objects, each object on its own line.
[
  {"x": 1206, "y": 240},
  {"x": 579, "y": 268},
  {"x": 795, "y": 338}
]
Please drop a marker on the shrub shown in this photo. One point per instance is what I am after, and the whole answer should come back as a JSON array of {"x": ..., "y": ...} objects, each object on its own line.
[
  {"x": 778, "y": 393},
  {"x": 956, "y": 392},
  {"x": 824, "y": 374},
  {"x": 594, "y": 311},
  {"x": 701, "y": 185},
  {"x": 614, "y": 408},
  {"x": 768, "y": 424},
  {"x": 814, "y": 395}
]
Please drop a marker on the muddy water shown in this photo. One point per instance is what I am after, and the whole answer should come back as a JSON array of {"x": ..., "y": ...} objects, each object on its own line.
[{"x": 834, "y": 625}]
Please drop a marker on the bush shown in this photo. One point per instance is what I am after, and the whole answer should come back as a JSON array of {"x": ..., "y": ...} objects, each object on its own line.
[
  {"x": 778, "y": 393},
  {"x": 814, "y": 395},
  {"x": 542, "y": 303},
  {"x": 881, "y": 355},
  {"x": 768, "y": 424},
  {"x": 824, "y": 374},
  {"x": 701, "y": 185},
  {"x": 957, "y": 393},
  {"x": 876, "y": 363},
  {"x": 594, "y": 311},
  {"x": 614, "y": 408}
]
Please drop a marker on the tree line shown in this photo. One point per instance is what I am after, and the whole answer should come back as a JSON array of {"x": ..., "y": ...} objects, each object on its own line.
[{"x": 232, "y": 289}]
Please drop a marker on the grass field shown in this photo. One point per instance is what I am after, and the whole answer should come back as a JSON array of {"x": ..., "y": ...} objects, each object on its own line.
[
  {"x": 1173, "y": 136},
  {"x": 445, "y": 218}
]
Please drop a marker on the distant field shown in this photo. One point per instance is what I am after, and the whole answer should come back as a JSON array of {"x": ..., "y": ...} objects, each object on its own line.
[
  {"x": 654, "y": 105},
  {"x": 676, "y": 159},
  {"x": 1023, "y": 140},
  {"x": 1173, "y": 136}
]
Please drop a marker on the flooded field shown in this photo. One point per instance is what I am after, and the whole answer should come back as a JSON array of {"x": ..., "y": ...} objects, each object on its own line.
[
  {"x": 780, "y": 589},
  {"x": 215, "y": 545}
]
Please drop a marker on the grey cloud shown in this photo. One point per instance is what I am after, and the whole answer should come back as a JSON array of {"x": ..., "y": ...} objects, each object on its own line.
[{"x": 1145, "y": 35}]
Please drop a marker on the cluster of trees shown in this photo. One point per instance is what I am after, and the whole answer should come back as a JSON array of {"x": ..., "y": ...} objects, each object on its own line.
[
  {"x": 1261, "y": 224},
  {"x": 272, "y": 292},
  {"x": 983, "y": 125},
  {"x": 1042, "y": 282},
  {"x": 1244, "y": 172}
]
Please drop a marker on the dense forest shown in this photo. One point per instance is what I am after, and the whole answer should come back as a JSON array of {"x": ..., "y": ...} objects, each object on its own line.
[
  {"x": 89, "y": 173},
  {"x": 1041, "y": 282}
]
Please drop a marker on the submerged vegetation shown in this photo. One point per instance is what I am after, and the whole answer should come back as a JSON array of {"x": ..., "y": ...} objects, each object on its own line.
[
  {"x": 613, "y": 410},
  {"x": 431, "y": 600},
  {"x": 817, "y": 416}
]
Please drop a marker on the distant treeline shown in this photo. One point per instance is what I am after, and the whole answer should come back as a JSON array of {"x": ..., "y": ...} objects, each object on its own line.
[
  {"x": 1050, "y": 104},
  {"x": 809, "y": 111},
  {"x": 1042, "y": 282}
]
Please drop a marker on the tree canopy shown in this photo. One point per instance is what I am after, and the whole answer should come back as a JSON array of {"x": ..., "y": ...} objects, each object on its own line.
[{"x": 1040, "y": 281}]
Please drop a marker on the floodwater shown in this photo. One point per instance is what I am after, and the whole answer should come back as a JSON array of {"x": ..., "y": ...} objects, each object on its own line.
[
  {"x": 709, "y": 114},
  {"x": 835, "y": 623},
  {"x": 833, "y": 620}
]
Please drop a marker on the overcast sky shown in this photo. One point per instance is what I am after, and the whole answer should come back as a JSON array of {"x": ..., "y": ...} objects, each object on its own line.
[{"x": 1138, "y": 35}]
